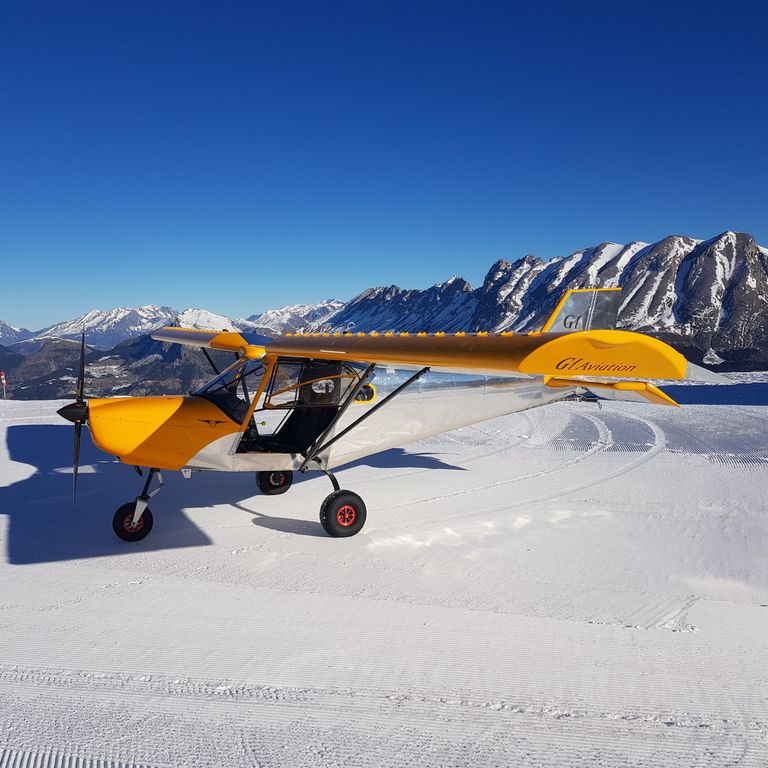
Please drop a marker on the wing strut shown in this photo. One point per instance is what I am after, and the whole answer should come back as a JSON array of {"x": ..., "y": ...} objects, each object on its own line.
[
  {"x": 315, "y": 451},
  {"x": 210, "y": 360}
]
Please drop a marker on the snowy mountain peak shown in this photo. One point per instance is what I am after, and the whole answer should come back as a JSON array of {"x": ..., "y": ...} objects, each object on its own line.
[
  {"x": 449, "y": 281},
  {"x": 108, "y": 328},
  {"x": 295, "y": 316},
  {"x": 9, "y": 334},
  {"x": 204, "y": 320}
]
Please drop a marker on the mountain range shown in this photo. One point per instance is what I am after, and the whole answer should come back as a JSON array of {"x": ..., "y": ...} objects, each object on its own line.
[
  {"x": 709, "y": 299},
  {"x": 106, "y": 329}
]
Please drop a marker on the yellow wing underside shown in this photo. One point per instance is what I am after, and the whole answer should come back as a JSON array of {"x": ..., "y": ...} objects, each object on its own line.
[
  {"x": 608, "y": 359},
  {"x": 612, "y": 354}
]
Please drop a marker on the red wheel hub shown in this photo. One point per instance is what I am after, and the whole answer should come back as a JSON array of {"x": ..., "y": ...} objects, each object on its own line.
[
  {"x": 128, "y": 523},
  {"x": 277, "y": 479},
  {"x": 346, "y": 515}
]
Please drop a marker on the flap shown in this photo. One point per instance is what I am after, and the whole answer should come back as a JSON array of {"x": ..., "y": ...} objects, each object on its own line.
[{"x": 635, "y": 391}]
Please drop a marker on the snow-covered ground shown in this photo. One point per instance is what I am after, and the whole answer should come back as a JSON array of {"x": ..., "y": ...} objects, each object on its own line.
[{"x": 570, "y": 586}]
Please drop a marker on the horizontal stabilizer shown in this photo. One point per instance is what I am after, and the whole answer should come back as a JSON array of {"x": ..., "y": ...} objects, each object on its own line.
[{"x": 634, "y": 391}]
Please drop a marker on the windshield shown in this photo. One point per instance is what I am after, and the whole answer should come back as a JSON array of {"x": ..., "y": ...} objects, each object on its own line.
[{"x": 233, "y": 389}]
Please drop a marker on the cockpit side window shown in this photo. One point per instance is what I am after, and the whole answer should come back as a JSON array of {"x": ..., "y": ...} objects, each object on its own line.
[
  {"x": 233, "y": 389},
  {"x": 309, "y": 383}
]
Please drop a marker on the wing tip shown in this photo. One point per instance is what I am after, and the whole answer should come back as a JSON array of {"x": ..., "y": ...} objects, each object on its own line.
[{"x": 695, "y": 372}]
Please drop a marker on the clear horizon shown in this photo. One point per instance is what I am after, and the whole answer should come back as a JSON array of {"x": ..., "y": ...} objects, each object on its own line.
[{"x": 249, "y": 157}]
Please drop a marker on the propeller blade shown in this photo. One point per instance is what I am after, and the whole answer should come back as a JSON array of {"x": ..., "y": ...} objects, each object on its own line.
[
  {"x": 81, "y": 376},
  {"x": 76, "y": 462}
]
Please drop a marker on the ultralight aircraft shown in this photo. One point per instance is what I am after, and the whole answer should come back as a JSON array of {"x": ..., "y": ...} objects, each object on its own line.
[{"x": 314, "y": 401}]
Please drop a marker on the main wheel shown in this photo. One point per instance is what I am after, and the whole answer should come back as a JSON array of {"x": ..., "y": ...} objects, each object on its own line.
[
  {"x": 274, "y": 483},
  {"x": 342, "y": 514},
  {"x": 122, "y": 523}
]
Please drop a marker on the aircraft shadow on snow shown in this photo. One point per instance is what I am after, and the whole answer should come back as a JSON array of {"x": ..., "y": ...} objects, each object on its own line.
[{"x": 44, "y": 526}]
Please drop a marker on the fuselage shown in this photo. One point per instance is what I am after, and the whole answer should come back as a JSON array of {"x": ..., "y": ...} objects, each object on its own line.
[{"x": 179, "y": 432}]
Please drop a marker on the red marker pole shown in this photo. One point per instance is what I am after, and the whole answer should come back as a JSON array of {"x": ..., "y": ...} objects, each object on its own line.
[{"x": 2, "y": 379}]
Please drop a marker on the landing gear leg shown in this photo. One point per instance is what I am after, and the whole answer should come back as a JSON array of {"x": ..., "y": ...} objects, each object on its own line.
[
  {"x": 133, "y": 521},
  {"x": 332, "y": 478}
]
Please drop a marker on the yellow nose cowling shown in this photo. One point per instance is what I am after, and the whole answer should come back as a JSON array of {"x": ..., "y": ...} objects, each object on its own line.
[{"x": 162, "y": 432}]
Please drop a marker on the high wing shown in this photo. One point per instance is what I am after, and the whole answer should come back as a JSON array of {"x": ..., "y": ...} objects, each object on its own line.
[
  {"x": 609, "y": 360},
  {"x": 227, "y": 340},
  {"x": 613, "y": 354}
]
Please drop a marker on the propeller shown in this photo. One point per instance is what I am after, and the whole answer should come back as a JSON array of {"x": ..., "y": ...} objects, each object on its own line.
[{"x": 77, "y": 413}]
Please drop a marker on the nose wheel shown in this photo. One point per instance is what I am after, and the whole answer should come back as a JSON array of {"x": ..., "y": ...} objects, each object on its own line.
[
  {"x": 133, "y": 521},
  {"x": 126, "y": 529}
]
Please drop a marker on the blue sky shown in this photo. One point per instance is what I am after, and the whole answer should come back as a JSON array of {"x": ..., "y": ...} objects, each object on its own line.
[{"x": 245, "y": 155}]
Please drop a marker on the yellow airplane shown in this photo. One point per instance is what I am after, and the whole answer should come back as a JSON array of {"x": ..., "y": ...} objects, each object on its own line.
[{"x": 316, "y": 401}]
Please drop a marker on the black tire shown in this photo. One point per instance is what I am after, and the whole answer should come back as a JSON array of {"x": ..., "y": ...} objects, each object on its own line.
[
  {"x": 274, "y": 483},
  {"x": 342, "y": 514},
  {"x": 121, "y": 523}
]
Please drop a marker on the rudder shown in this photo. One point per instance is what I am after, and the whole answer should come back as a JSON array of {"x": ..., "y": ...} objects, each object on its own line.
[{"x": 585, "y": 309}]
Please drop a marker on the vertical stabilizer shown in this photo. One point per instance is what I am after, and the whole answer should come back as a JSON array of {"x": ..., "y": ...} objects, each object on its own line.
[{"x": 585, "y": 309}]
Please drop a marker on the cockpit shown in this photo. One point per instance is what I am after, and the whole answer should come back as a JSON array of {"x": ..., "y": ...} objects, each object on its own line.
[
  {"x": 296, "y": 405},
  {"x": 233, "y": 389}
]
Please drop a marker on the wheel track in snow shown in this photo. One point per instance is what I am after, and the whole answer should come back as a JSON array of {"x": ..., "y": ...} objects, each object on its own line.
[
  {"x": 599, "y": 446},
  {"x": 603, "y": 444},
  {"x": 506, "y": 447},
  {"x": 657, "y": 447}
]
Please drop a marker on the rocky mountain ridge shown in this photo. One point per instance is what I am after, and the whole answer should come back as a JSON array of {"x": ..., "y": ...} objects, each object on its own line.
[{"x": 708, "y": 298}]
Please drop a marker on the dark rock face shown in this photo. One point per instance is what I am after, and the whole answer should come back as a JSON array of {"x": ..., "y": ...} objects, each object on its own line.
[
  {"x": 710, "y": 298},
  {"x": 54, "y": 356},
  {"x": 444, "y": 307},
  {"x": 9, "y": 360},
  {"x": 140, "y": 367}
]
